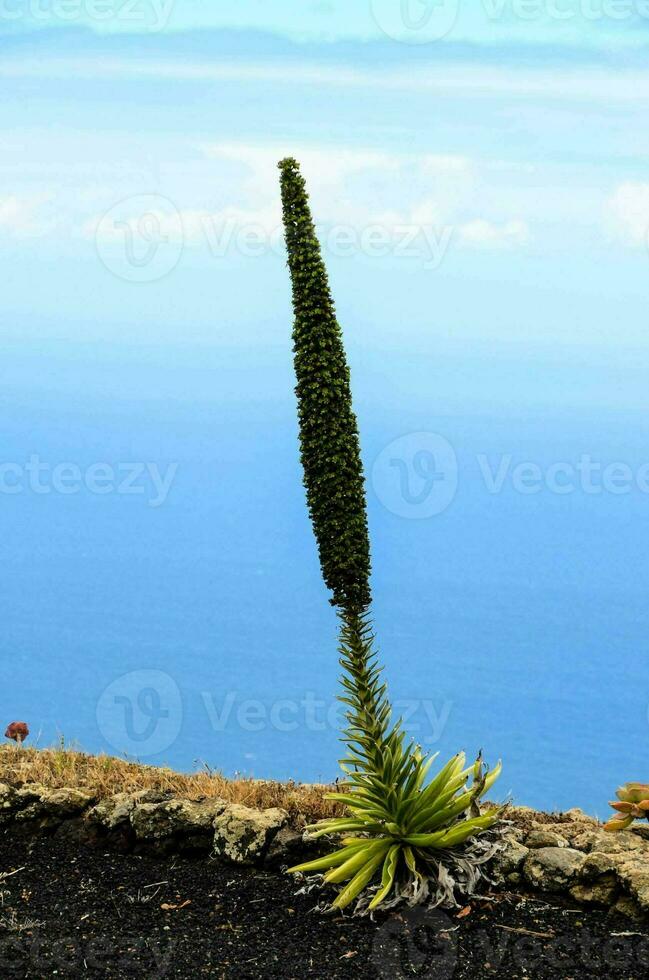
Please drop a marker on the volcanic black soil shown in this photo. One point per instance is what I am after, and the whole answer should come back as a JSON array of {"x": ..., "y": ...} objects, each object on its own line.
[{"x": 70, "y": 909}]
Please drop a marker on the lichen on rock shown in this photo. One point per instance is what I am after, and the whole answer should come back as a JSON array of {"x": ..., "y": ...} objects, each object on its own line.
[
  {"x": 50, "y": 806},
  {"x": 115, "y": 811},
  {"x": 552, "y": 869},
  {"x": 244, "y": 835},
  {"x": 154, "y": 821}
]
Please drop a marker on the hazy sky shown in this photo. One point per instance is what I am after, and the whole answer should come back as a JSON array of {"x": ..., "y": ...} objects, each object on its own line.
[{"x": 478, "y": 171}]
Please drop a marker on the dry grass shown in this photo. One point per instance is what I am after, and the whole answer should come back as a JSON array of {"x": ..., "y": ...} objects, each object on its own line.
[{"x": 104, "y": 775}]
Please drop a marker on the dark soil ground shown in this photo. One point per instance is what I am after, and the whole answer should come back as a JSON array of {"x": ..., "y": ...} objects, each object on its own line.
[{"x": 75, "y": 910}]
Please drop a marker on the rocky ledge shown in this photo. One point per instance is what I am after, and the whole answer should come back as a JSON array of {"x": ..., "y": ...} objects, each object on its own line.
[
  {"x": 152, "y": 822},
  {"x": 570, "y": 854},
  {"x": 565, "y": 854}
]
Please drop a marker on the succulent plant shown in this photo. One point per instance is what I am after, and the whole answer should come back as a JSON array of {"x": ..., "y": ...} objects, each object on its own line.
[
  {"x": 403, "y": 831},
  {"x": 632, "y": 804}
]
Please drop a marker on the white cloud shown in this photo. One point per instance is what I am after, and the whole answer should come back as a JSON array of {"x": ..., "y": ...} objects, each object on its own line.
[
  {"x": 322, "y": 165},
  {"x": 24, "y": 217},
  {"x": 472, "y": 81},
  {"x": 627, "y": 212},
  {"x": 350, "y": 187},
  {"x": 434, "y": 200},
  {"x": 486, "y": 234}
]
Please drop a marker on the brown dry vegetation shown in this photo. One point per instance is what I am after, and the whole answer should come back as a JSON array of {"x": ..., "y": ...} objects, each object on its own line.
[{"x": 104, "y": 775}]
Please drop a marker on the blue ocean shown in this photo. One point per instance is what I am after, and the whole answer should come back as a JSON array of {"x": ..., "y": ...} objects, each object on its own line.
[{"x": 161, "y": 592}]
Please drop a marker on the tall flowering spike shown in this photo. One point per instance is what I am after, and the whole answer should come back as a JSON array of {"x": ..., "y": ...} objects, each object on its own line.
[
  {"x": 403, "y": 828},
  {"x": 329, "y": 443}
]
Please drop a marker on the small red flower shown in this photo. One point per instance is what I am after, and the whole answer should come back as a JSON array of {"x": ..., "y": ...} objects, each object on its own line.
[{"x": 18, "y": 731}]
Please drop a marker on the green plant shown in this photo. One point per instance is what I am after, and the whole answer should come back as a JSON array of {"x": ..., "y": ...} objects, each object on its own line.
[
  {"x": 405, "y": 821},
  {"x": 402, "y": 831},
  {"x": 633, "y": 805}
]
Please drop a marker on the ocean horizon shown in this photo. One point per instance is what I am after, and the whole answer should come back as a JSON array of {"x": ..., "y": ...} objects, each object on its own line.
[{"x": 181, "y": 619}]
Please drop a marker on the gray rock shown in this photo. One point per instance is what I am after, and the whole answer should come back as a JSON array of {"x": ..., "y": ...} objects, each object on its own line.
[
  {"x": 596, "y": 864},
  {"x": 244, "y": 836},
  {"x": 155, "y": 821},
  {"x": 28, "y": 794},
  {"x": 287, "y": 845},
  {"x": 622, "y": 843},
  {"x": 50, "y": 806},
  {"x": 633, "y": 872},
  {"x": 627, "y": 906},
  {"x": 641, "y": 829},
  {"x": 506, "y": 865},
  {"x": 7, "y": 803},
  {"x": 586, "y": 841},
  {"x": 602, "y": 892},
  {"x": 553, "y": 869},
  {"x": 578, "y": 816},
  {"x": 545, "y": 838},
  {"x": 114, "y": 812}
]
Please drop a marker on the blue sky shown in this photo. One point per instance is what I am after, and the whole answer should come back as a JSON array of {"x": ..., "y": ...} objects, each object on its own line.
[{"x": 486, "y": 187}]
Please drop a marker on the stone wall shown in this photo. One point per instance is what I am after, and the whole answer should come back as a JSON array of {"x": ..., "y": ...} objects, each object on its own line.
[
  {"x": 153, "y": 822},
  {"x": 567, "y": 854},
  {"x": 570, "y": 854}
]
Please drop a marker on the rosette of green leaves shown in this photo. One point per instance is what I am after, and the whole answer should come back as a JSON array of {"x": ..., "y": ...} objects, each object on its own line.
[{"x": 399, "y": 820}]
